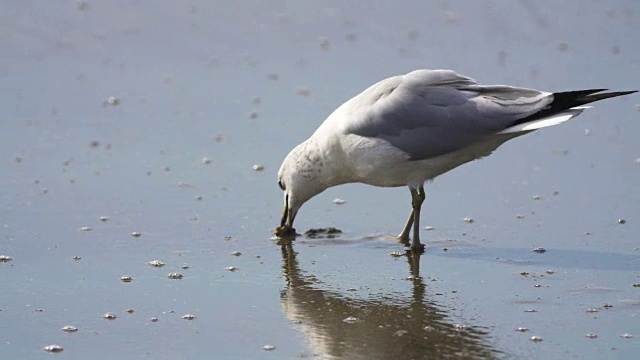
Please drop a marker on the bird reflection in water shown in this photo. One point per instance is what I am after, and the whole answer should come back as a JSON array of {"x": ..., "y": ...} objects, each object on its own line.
[{"x": 384, "y": 327}]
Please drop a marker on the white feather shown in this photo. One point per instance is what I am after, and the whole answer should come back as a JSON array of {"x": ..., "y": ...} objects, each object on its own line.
[{"x": 548, "y": 121}]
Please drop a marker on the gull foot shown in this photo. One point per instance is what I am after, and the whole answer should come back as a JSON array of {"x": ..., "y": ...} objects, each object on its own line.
[
  {"x": 285, "y": 231},
  {"x": 419, "y": 248}
]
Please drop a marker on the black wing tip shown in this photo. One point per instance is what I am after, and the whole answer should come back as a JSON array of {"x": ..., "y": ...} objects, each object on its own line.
[
  {"x": 603, "y": 95},
  {"x": 592, "y": 91},
  {"x": 577, "y": 93},
  {"x": 570, "y": 99},
  {"x": 626, "y": 92}
]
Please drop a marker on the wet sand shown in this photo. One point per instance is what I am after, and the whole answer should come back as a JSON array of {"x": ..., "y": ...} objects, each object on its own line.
[{"x": 139, "y": 132}]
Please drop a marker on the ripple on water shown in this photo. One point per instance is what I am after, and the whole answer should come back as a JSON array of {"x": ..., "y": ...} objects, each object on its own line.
[
  {"x": 69, "y": 328},
  {"x": 54, "y": 348},
  {"x": 110, "y": 316},
  {"x": 156, "y": 263},
  {"x": 536, "y": 338},
  {"x": 350, "y": 319}
]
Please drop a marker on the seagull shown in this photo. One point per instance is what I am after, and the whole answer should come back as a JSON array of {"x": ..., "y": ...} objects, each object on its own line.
[{"x": 407, "y": 129}]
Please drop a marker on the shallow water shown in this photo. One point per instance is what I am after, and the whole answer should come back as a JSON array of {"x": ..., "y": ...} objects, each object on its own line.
[{"x": 200, "y": 93}]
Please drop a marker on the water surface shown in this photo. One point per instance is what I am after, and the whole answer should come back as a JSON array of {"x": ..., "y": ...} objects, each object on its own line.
[{"x": 153, "y": 115}]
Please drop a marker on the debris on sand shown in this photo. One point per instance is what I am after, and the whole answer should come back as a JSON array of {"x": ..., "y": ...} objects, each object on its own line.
[{"x": 328, "y": 233}]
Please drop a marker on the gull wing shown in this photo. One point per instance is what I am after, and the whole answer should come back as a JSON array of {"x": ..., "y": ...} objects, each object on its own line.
[{"x": 428, "y": 113}]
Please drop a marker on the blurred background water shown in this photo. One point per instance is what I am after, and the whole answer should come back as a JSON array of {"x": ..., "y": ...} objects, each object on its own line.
[{"x": 170, "y": 119}]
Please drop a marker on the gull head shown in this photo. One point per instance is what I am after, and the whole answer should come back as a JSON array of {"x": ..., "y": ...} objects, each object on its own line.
[{"x": 301, "y": 177}]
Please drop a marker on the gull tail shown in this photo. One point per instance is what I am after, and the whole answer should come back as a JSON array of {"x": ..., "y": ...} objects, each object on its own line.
[{"x": 565, "y": 106}]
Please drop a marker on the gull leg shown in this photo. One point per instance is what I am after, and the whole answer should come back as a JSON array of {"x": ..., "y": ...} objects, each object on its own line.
[
  {"x": 417, "y": 198},
  {"x": 404, "y": 235}
]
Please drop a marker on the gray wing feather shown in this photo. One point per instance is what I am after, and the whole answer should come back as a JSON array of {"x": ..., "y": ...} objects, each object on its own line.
[{"x": 427, "y": 113}]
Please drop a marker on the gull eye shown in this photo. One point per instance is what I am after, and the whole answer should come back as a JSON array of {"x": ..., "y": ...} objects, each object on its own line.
[{"x": 281, "y": 185}]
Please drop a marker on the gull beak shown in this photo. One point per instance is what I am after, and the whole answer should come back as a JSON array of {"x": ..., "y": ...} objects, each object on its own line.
[
  {"x": 286, "y": 222},
  {"x": 285, "y": 212}
]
